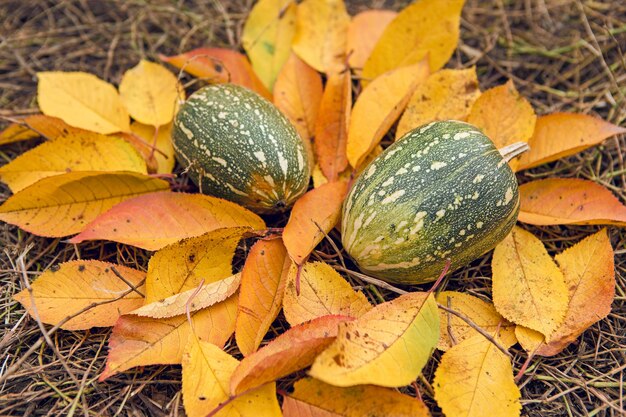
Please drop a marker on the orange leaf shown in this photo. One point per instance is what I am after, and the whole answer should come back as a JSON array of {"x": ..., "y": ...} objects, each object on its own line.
[
  {"x": 260, "y": 297},
  {"x": 312, "y": 398},
  {"x": 569, "y": 201},
  {"x": 322, "y": 292},
  {"x": 291, "y": 351},
  {"x": 155, "y": 220},
  {"x": 75, "y": 285},
  {"x": 379, "y": 106},
  {"x": 16, "y": 132},
  {"x": 562, "y": 134},
  {"x": 35, "y": 126},
  {"x": 219, "y": 66},
  {"x": 364, "y": 31},
  {"x": 318, "y": 209}
]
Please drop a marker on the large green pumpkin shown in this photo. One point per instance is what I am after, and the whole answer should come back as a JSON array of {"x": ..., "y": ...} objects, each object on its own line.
[
  {"x": 443, "y": 191},
  {"x": 238, "y": 146}
]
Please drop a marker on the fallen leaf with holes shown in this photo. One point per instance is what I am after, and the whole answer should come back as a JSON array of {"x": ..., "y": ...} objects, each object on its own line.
[
  {"x": 261, "y": 295},
  {"x": 475, "y": 379},
  {"x": 314, "y": 398},
  {"x": 157, "y": 145},
  {"x": 528, "y": 287},
  {"x": 387, "y": 346},
  {"x": 364, "y": 31},
  {"x": 74, "y": 152},
  {"x": 424, "y": 28},
  {"x": 82, "y": 100},
  {"x": 206, "y": 373},
  {"x": 589, "y": 272},
  {"x": 454, "y": 330},
  {"x": 322, "y": 292},
  {"x": 267, "y": 36},
  {"x": 64, "y": 204},
  {"x": 569, "y": 201},
  {"x": 558, "y": 135},
  {"x": 322, "y": 34},
  {"x": 74, "y": 286},
  {"x": 155, "y": 220},
  {"x": 293, "y": 350},
  {"x": 331, "y": 127},
  {"x": 218, "y": 66},
  {"x": 151, "y": 93},
  {"x": 448, "y": 94},
  {"x": 313, "y": 215},
  {"x": 379, "y": 106}
]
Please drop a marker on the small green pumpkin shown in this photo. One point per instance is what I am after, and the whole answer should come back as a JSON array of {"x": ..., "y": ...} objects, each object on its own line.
[
  {"x": 238, "y": 146},
  {"x": 443, "y": 191}
]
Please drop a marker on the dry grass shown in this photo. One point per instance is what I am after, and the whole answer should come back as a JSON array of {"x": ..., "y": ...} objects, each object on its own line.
[{"x": 564, "y": 55}]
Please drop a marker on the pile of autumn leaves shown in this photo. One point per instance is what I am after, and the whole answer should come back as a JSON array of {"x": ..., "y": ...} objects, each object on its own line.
[{"x": 100, "y": 177}]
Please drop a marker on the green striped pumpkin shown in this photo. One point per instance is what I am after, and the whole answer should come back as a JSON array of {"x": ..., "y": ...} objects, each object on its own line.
[
  {"x": 238, "y": 146},
  {"x": 442, "y": 191}
]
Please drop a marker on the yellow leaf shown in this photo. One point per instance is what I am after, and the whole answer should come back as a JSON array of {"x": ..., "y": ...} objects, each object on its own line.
[
  {"x": 363, "y": 32},
  {"x": 589, "y": 273},
  {"x": 191, "y": 300},
  {"x": 445, "y": 95},
  {"x": 312, "y": 398},
  {"x": 322, "y": 33},
  {"x": 206, "y": 373},
  {"x": 528, "y": 287},
  {"x": 475, "y": 379},
  {"x": 82, "y": 100},
  {"x": 387, "y": 346},
  {"x": 320, "y": 179},
  {"x": 569, "y": 201},
  {"x": 424, "y": 28},
  {"x": 155, "y": 220},
  {"x": 262, "y": 287},
  {"x": 74, "y": 152},
  {"x": 184, "y": 265},
  {"x": 151, "y": 93},
  {"x": 480, "y": 312},
  {"x": 64, "y": 204},
  {"x": 267, "y": 37},
  {"x": 559, "y": 135},
  {"x": 159, "y": 143},
  {"x": 504, "y": 116},
  {"x": 16, "y": 132},
  {"x": 318, "y": 209},
  {"x": 75, "y": 285},
  {"x": 379, "y": 106},
  {"x": 322, "y": 292}
]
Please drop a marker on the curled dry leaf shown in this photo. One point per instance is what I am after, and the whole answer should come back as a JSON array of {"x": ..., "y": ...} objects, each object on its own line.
[
  {"x": 293, "y": 350},
  {"x": 314, "y": 398},
  {"x": 73, "y": 152},
  {"x": 314, "y": 214},
  {"x": 589, "y": 273},
  {"x": 569, "y": 201},
  {"x": 73, "y": 200},
  {"x": 155, "y": 220},
  {"x": 82, "y": 100},
  {"x": 364, "y": 31},
  {"x": 528, "y": 287},
  {"x": 454, "y": 330},
  {"x": 559, "y": 135},
  {"x": 261, "y": 295},
  {"x": 75, "y": 285},
  {"x": 445, "y": 95},
  {"x": 322, "y": 34},
  {"x": 387, "y": 346},
  {"x": 322, "y": 292},
  {"x": 379, "y": 106},
  {"x": 426, "y": 27},
  {"x": 157, "y": 145},
  {"x": 206, "y": 372},
  {"x": 475, "y": 379},
  {"x": 267, "y": 36}
]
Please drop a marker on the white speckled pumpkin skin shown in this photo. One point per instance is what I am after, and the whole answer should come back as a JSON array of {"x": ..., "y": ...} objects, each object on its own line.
[
  {"x": 441, "y": 191},
  {"x": 238, "y": 146}
]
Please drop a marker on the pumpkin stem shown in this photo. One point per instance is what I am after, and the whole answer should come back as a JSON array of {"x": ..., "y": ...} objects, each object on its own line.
[{"x": 515, "y": 149}]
